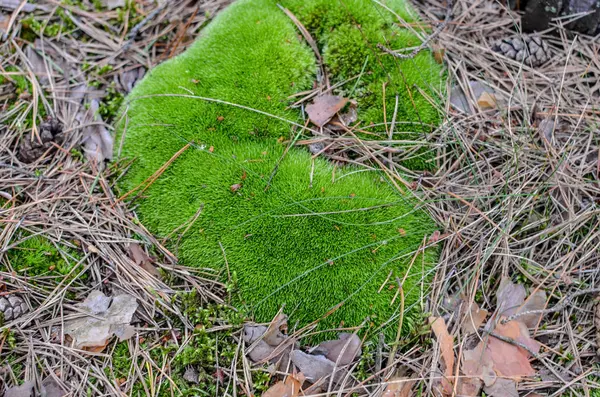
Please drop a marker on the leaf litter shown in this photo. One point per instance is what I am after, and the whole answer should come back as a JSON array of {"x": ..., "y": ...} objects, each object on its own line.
[
  {"x": 319, "y": 364},
  {"x": 324, "y": 107},
  {"x": 103, "y": 317}
]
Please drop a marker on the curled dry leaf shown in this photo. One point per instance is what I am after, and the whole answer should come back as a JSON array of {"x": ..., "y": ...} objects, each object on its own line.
[
  {"x": 139, "y": 256},
  {"x": 106, "y": 316},
  {"x": 265, "y": 343},
  {"x": 324, "y": 107},
  {"x": 274, "y": 334},
  {"x": 314, "y": 367},
  {"x": 446, "y": 341},
  {"x": 289, "y": 388},
  {"x": 343, "y": 350}
]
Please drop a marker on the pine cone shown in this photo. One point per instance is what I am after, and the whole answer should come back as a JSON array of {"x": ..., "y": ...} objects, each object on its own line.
[
  {"x": 31, "y": 149},
  {"x": 12, "y": 307},
  {"x": 531, "y": 50}
]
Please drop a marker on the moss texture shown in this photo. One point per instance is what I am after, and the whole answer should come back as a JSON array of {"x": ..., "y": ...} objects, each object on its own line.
[{"x": 317, "y": 236}]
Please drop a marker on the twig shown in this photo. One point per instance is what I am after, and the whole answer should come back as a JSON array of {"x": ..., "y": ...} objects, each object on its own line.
[
  {"x": 136, "y": 29},
  {"x": 556, "y": 308}
]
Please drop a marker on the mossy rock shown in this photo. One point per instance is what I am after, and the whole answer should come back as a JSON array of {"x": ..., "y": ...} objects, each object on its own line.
[{"x": 314, "y": 236}]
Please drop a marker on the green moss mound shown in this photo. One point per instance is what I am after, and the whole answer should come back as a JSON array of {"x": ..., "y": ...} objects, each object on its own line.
[{"x": 314, "y": 236}]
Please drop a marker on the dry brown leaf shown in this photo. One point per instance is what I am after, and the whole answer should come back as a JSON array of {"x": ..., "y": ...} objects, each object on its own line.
[
  {"x": 471, "y": 383},
  {"x": 347, "y": 343},
  {"x": 438, "y": 54},
  {"x": 261, "y": 351},
  {"x": 398, "y": 387},
  {"x": 139, "y": 256},
  {"x": 502, "y": 388},
  {"x": 474, "y": 318},
  {"x": 536, "y": 301},
  {"x": 487, "y": 101},
  {"x": 446, "y": 341},
  {"x": 509, "y": 297},
  {"x": 315, "y": 367},
  {"x": 107, "y": 316},
  {"x": 324, "y": 107},
  {"x": 289, "y": 388},
  {"x": 274, "y": 335}
]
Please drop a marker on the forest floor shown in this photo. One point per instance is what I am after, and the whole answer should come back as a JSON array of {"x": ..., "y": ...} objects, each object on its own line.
[{"x": 516, "y": 194}]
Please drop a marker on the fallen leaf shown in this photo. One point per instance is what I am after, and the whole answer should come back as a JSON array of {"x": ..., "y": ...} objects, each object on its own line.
[
  {"x": 139, "y": 256},
  {"x": 128, "y": 79},
  {"x": 536, "y": 301},
  {"x": 509, "y": 297},
  {"x": 107, "y": 316},
  {"x": 260, "y": 350},
  {"x": 112, "y": 4},
  {"x": 347, "y": 343},
  {"x": 398, "y": 387},
  {"x": 235, "y": 187},
  {"x": 470, "y": 383},
  {"x": 474, "y": 318},
  {"x": 460, "y": 101},
  {"x": 438, "y": 53},
  {"x": 253, "y": 332},
  {"x": 502, "y": 388},
  {"x": 487, "y": 101},
  {"x": 547, "y": 127},
  {"x": 324, "y": 107},
  {"x": 288, "y": 388},
  {"x": 51, "y": 388},
  {"x": 446, "y": 341},
  {"x": 341, "y": 120},
  {"x": 493, "y": 358},
  {"x": 315, "y": 367},
  {"x": 25, "y": 390},
  {"x": 274, "y": 335},
  {"x": 97, "y": 141}
]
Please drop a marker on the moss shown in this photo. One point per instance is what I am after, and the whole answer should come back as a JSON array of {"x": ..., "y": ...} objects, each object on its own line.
[
  {"x": 313, "y": 236},
  {"x": 37, "y": 257}
]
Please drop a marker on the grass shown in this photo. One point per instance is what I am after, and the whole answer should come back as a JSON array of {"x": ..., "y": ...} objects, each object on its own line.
[{"x": 283, "y": 232}]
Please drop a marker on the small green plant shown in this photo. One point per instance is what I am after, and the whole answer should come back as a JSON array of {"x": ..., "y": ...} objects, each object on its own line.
[{"x": 111, "y": 103}]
